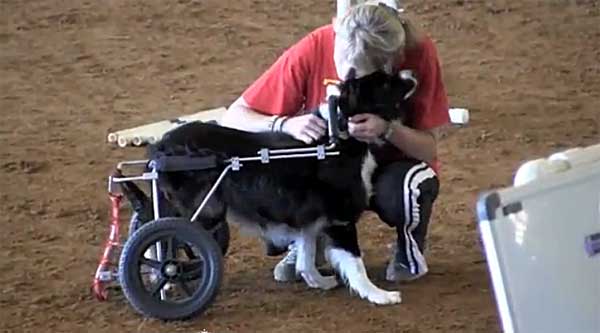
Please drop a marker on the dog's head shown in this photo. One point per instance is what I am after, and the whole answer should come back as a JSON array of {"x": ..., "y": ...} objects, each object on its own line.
[{"x": 379, "y": 93}]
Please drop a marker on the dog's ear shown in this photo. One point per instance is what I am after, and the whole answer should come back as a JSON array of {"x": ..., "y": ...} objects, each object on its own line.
[
  {"x": 348, "y": 100},
  {"x": 395, "y": 93},
  {"x": 410, "y": 81}
]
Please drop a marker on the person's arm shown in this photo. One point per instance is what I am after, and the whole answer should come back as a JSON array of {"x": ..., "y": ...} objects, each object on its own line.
[
  {"x": 240, "y": 116},
  {"x": 419, "y": 144},
  {"x": 307, "y": 128},
  {"x": 429, "y": 114}
]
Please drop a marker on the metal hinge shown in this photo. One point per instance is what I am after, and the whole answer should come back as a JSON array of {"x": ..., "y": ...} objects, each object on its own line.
[
  {"x": 512, "y": 208},
  {"x": 592, "y": 244}
]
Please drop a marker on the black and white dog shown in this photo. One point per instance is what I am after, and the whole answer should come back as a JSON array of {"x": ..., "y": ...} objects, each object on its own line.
[{"x": 292, "y": 200}]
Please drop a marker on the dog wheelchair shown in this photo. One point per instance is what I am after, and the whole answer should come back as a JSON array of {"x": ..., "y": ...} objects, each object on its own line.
[{"x": 170, "y": 267}]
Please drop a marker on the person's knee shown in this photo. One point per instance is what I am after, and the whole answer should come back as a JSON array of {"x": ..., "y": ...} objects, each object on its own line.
[
  {"x": 388, "y": 201},
  {"x": 399, "y": 187}
]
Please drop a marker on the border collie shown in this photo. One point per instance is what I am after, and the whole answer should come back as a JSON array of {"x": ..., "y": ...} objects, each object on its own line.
[{"x": 292, "y": 200}]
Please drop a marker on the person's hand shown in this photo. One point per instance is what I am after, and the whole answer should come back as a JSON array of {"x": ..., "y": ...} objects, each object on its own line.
[
  {"x": 307, "y": 128},
  {"x": 367, "y": 127}
]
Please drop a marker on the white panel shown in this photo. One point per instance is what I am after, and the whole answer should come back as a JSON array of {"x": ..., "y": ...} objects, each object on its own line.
[{"x": 540, "y": 268}]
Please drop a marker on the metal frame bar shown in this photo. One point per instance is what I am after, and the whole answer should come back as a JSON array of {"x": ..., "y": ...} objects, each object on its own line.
[
  {"x": 264, "y": 156},
  {"x": 500, "y": 291},
  {"x": 210, "y": 193},
  {"x": 134, "y": 162}
]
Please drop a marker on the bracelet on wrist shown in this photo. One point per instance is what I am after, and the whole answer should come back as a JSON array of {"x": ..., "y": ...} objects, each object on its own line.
[
  {"x": 389, "y": 131},
  {"x": 276, "y": 123},
  {"x": 271, "y": 123},
  {"x": 282, "y": 122}
]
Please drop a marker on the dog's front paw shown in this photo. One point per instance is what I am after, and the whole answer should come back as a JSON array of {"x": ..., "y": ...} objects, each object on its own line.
[
  {"x": 382, "y": 297},
  {"x": 319, "y": 281}
]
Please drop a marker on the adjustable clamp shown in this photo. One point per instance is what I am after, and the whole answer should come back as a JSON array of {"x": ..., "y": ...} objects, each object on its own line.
[
  {"x": 235, "y": 163},
  {"x": 264, "y": 155},
  {"x": 321, "y": 152}
]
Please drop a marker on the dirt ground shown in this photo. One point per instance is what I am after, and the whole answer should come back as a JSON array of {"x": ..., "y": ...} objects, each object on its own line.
[{"x": 71, "y": 70}]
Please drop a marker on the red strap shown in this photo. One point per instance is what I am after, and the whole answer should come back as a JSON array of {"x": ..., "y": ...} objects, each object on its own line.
[{"x": 105, "y": 265}]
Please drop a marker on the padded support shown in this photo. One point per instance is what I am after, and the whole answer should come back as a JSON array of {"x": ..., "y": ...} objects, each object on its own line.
[{"x": 183, "y": 163}]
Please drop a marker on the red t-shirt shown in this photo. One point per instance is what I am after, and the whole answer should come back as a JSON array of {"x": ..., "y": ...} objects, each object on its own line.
[{"x": 293, "y": 85}]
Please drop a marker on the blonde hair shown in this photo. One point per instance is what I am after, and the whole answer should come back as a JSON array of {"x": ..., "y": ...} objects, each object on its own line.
[{"x": 375, "y": 34}]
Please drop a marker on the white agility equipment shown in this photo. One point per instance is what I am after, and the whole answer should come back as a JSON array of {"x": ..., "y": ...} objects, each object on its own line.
[
  {"x": 556, "y": 163},
  {"x": 459, "y": 116},
  {"x": 542, "y": 243},
  {"x": 150, "y": 133}
]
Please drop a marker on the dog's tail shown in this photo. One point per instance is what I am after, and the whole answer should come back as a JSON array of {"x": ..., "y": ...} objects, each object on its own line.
[{"x": 140, "y": 202}]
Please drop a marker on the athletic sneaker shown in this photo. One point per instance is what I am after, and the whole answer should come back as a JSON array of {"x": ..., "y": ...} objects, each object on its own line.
[
  {"x": 399, "y": 272},
  {"x": 285, "y": 270}
]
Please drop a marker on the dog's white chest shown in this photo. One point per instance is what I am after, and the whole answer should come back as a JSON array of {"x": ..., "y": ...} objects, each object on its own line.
[{"x": 366, "y": 173}]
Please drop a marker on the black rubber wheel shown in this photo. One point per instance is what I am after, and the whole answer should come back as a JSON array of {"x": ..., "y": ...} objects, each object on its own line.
[{"x": 181, "y": 285}]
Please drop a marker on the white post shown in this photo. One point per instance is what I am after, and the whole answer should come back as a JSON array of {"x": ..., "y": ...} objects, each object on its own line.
[{"x": 342, "y": 7}]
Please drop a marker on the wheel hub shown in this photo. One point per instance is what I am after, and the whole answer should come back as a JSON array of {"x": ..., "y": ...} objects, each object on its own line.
[{"x": 170, "y": 270}]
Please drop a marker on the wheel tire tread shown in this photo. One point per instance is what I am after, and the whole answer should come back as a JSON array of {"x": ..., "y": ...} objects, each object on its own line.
[{"x": 182, "y": 225}]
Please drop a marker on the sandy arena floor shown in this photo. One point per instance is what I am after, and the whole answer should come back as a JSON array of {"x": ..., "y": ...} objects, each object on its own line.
[{"x": 71, "y": 70}]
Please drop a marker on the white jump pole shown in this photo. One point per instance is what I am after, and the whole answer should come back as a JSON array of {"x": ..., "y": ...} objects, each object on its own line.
[
  {"x": 344, "y": 5},
  {"x": 153, "y": 132}
]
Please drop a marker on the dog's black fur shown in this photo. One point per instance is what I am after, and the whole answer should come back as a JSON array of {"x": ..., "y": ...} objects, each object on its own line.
[{"x": 293, "y": 192}]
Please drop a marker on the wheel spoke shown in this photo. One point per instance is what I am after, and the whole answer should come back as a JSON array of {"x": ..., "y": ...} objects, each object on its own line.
[
  {"x": 192, "y": 270},
  {"x": 189, "y": 252},
  {"x": 171, "y": 248},
  {"x": 175, "y": 247},
  {"x": 151, "y": 263},
  {"x": 186, "y": 289},
  {"x": 158, "y": 287}
]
